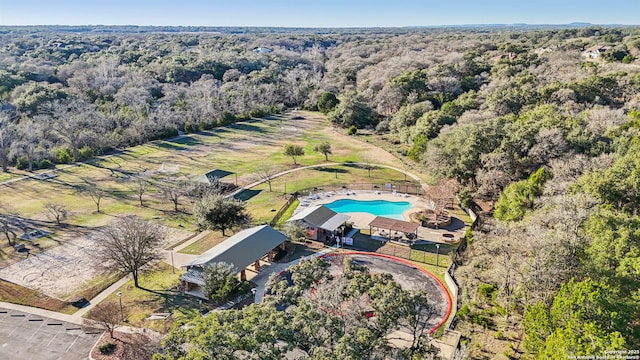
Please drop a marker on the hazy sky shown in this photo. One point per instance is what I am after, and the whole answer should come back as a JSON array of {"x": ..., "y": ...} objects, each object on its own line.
[{"x": 317, "y": 13}]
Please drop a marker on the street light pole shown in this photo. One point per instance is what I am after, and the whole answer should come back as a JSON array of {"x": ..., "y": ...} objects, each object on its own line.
[
  {"x": 437, "y": 254},
  {"x": 173, "y": 268},
  {"x": 119, "y": 293},
  {"x": 285, "y": 187}
]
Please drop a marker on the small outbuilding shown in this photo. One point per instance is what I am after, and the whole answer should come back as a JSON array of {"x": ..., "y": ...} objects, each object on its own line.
[
  {"x": 212, "y": 177},
  {"x": 241, "y": 250},
  {"x": 320, "y": 221}
]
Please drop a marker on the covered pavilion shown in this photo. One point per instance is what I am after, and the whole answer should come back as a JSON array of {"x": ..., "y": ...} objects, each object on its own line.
[
  {"x": 240, "y": 251},
  {"x": 395, "y": 228}
]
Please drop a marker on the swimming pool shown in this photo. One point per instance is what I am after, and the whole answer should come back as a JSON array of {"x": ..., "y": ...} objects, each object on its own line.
[{"x": 390, "y": 209}]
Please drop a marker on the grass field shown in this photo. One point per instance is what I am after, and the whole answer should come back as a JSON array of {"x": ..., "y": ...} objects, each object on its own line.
[
  {"x": 155, "y": 297},
  {"x": 207, "y": 242},
  {"x": 242, "y": 149}
]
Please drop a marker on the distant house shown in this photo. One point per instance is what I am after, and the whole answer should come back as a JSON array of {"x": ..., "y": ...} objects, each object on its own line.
[
  {"x": 262, "y": 50},
  {"x": 243, "y": 249},
  {"x": 320, "y": 221},
  {"x": 595, "y": 51}
]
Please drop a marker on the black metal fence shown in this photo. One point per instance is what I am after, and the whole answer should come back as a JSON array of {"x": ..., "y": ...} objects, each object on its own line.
[{"x": 403, "y": 188}]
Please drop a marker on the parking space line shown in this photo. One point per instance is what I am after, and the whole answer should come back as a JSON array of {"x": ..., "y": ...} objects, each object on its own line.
[
  {"x": 56, "y": 335},
  {"x": 74, "y": 341}
]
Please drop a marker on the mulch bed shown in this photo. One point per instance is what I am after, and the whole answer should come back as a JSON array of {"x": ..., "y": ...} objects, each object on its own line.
[{"x": 128, "y": 346}]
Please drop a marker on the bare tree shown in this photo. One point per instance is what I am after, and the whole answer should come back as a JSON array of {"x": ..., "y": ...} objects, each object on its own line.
[
  {"x": 267, "y": 173},
  {"x": 72, "y": 122},
  {"x": 141, "y": 187},
  {"x": 174, "y": 191},
  {"x": 95, "y": 193},
  {"x": 367, "y": 163},
  {"x": 405, "y": 169},
  {"x": 108, "y": 315},
  {"x": 6, "y": 217},
  {"x": 441, "y": 196},
  {"x": 29, "y": 143},
  {"x": 129, "y": 244},
  {"x": 57, "y": 211}
]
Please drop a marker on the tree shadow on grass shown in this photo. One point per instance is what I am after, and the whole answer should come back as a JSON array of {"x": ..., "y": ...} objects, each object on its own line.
[
  {"x": 331, "y": 170},
  {"x": 248, "y": 127},
  {"x": 173, "y": 145}
]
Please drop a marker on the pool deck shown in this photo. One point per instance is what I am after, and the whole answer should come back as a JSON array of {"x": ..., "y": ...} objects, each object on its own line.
[{"x": 361, "y": 220}]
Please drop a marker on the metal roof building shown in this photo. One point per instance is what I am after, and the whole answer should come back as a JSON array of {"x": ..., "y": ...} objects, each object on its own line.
[
  {"x": 321, "y": 217},
  {"x": 241, "y": 250}
]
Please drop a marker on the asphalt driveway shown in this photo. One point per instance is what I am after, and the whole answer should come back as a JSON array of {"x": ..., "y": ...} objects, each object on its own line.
[{"x": 30, "y": 337}]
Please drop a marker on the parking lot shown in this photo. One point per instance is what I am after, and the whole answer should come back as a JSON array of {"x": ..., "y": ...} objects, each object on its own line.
[{"x": 24, "y": 336}]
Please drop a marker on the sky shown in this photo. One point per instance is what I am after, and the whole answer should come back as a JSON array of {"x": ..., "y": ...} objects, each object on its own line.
[{"x": 316, "y": 13}]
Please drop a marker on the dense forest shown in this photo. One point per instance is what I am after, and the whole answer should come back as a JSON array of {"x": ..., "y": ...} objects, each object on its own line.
[{"x": 540, "y": 127}]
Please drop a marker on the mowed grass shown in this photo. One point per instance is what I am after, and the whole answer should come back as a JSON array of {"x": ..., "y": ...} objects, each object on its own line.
[
  {"x": 242, "y": 148},
  {"x": 157, "y": 295},
  {"x": 208, "y": 241},
  {"x": 263, "y": 205}
]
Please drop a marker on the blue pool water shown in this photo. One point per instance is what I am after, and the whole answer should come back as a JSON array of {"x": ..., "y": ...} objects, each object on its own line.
[{"x": 390, "y": 209}]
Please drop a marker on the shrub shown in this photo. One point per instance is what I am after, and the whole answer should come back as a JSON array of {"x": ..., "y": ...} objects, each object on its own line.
[
  {"x": 22, "y": 163},
  {"x": 464, "y": 311},
  {"x": 85, "y": 152},
  {"x": 487, "y": 291},
  {"x": 226, "y": 119},
  {"x": 483, "y": 321},
  {"x": 107, "y": 348},
  {"x": 45, "y": 164},
  {"x": 64, "y": 155},
  {"x": 352, "y": 130}
]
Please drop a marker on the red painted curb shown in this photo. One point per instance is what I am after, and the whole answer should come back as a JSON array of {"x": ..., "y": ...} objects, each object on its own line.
[{"x": 409, "y": 263}]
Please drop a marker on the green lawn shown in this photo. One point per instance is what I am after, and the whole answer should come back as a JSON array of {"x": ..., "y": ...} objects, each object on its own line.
[
  {"x": 207, "y": 242},
  {"x": 158, "y": 295},
  {"x": 242, "y": 149}
]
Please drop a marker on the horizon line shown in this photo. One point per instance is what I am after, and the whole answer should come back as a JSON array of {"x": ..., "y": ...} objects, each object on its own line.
[{"x": 575, "y": 23}]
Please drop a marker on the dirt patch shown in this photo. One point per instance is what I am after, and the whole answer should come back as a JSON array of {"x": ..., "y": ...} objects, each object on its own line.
[{"x": 65, "y": 270}]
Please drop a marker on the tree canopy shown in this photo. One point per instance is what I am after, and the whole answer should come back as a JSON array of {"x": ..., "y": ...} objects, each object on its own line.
[
  {"x": 316, "y": 315},
  {"x": 216, "y": 212}
]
